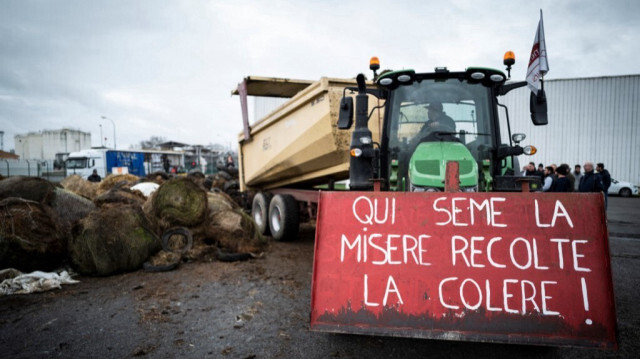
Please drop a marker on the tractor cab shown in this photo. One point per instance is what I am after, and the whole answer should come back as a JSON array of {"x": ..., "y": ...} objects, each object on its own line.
[{"x": 437, "y": 117}]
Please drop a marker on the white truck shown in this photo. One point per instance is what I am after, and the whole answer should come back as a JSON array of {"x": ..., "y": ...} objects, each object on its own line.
[{"x": 105, "y": 162}]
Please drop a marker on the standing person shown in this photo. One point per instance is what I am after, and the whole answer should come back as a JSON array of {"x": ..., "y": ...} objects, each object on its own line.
[
  {"x": 548, "y": 179},
  {"x": 229, "y": 162},
  {"x": 530, "y": 170},
  {"x": 590, "y": 182},
  {"x": 605, "y": 177},
  {"x": 537, "y": 172},
  {"x": 562, "y": 183},
  {"x": 95, "y": 177},
  {"x": 572, "y": 180},
  {"x": 578, "y": 176}
]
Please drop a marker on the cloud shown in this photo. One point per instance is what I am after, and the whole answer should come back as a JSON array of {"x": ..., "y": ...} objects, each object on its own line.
[{"x": 166, "y": 68}]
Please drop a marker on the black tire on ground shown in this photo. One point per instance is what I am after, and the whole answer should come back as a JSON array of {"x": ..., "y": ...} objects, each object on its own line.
[
  {"x": 260, "y": 211},
  {"x": 224, "y": 174},
  {"x": 185, "y": 232},
  {"x": 283, "y": 218},
  {"x": 625, "y": 192},
  {"x": 229, "y": 185}
]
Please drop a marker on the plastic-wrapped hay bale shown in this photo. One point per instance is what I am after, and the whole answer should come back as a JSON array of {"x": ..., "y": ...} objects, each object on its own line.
[
  {"x": 115, "y": 238},
  {"x": 70, "y": 208},
  {"x": 121, "y": 181},
  {"x": 178, "y": 202},
  {"x": 146, "y": 188},
  {"x": 30, "y": 188},
  {"x": 30, "y": 237},
  {"x": 80, "y": 186},
  {"x": 120, "y": 195}
]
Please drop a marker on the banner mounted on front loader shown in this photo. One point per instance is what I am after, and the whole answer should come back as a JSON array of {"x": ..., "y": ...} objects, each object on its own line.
[{"x": 528, "y": 268}]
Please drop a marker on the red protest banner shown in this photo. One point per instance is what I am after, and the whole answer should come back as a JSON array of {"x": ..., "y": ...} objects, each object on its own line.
[{"x": 511, "y": 267}]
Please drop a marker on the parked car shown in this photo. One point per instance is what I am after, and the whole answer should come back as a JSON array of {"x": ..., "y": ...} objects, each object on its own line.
[{"x": 623, "y": 188}]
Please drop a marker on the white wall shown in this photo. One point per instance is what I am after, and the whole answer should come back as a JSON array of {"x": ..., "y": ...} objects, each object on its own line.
[
  {"x": 590, "y": 119},
  {"x": 44, "y": 145}
]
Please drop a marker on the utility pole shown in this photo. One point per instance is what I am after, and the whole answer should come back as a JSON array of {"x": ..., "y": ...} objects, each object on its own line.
[{"x": 114, "y": 131}]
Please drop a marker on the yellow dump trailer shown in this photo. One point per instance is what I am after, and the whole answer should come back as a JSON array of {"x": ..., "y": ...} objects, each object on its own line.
[{"x": 298, "y": 144}]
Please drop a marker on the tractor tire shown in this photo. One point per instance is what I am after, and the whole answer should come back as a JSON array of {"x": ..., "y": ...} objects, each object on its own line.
[
  {"x": 625, "y": 192},
  {"x": 260, "y": 211},
  {"x": 284, "y": 218}
]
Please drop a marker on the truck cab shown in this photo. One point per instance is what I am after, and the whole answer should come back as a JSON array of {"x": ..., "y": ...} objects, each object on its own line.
[{"x": 85, "y": 161}]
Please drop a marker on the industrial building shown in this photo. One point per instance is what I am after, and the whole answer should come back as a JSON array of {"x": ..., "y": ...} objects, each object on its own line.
[
  {"x": 592, "y": 119},
  {"x": 43, "y": 145}
]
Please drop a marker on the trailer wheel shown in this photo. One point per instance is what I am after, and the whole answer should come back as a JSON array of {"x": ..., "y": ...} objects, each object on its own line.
[
  {"x": 260, "y": 211},
  {"x": 283, "y": 218}
]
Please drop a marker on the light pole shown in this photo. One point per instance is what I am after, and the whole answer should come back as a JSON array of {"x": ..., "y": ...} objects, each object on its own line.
[{"x": 114, "y": 131}]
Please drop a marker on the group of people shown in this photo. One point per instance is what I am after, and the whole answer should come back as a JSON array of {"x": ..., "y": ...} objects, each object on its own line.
[{"x": 562, "y": 179}]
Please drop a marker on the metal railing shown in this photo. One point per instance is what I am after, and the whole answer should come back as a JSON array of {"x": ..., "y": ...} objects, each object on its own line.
[{"x": 30, "y": 168}]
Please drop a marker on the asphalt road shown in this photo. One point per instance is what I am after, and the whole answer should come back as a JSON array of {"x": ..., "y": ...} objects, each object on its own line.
[{"x": 260, "y": 309}]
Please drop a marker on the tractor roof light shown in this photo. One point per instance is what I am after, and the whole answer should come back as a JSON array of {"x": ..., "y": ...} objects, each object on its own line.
[
  {"x": 404, "y": 78},
  {"x": 374, "y": 63},
  {"x": 509, "y": 58},
  {"x": 386, "y": 81},
  {"x": 496, "y": 78},
  {"x": 477, "y": 75},
  {"x": 508, "y": 61}
]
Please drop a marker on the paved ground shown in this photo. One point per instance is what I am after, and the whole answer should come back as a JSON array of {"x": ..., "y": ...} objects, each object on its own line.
[{"x": 258, "y": 309}]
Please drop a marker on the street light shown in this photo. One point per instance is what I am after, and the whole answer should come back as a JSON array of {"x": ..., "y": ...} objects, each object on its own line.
[{"x": 114, "y": 131}]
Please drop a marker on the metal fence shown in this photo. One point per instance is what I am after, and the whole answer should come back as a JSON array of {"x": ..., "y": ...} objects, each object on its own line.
[{"x": 30, "y": 168}]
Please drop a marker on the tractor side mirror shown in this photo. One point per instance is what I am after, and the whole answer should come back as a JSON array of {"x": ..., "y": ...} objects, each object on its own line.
[
  {"x": 538, "y": 107},
  {"x": 345, "y": 117}
]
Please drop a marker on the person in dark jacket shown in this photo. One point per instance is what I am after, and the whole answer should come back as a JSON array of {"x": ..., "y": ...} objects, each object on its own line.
[
  {"x": 562, "y": 183},
  {"x": 569, "y": 176},
  {"x": 590, "y": 182},
  {"x": 605, "y": 178},
  {"x": 95, "y": 177}
]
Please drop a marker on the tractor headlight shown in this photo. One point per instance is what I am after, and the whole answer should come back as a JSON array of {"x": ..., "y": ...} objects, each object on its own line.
[
  {"x": 423, "y": 189},
  {"x": 470, "y": 189}
]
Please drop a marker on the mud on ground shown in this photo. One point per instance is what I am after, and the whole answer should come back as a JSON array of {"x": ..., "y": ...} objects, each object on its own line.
[{"x": 252, "y": 309}]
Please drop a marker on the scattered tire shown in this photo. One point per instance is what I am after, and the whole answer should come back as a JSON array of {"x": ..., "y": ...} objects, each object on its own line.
[
  {"x": 224, "y": 174},
  {"x": 283, "y": 218},
  {"x": 260, "y": 211},
  {"x": 230, "y": 185},
  {"x": 625, "y": 192},
  {"x": 177, "y": 231},
  {"x": 149, "y": 267},
  {"x": 232, "y": 171}
]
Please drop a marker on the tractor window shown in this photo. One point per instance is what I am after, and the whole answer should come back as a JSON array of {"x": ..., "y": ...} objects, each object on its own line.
[
  {"x": 454, "y": 110},
  {"x": 443, "y": 110}
]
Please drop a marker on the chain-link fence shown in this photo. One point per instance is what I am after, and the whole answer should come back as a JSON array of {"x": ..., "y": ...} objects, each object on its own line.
[{"x": 31, "y": 168}]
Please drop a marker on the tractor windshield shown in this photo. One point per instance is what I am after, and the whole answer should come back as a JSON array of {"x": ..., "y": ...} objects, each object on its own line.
[{"x": 439, "y": 110}]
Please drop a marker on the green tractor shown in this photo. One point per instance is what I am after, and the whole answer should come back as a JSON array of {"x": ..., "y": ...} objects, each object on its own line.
[{"x": 434, "y": 118}]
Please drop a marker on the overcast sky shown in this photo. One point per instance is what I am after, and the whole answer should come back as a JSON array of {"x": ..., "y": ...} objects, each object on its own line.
[{"x": 166, "y": 68}]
